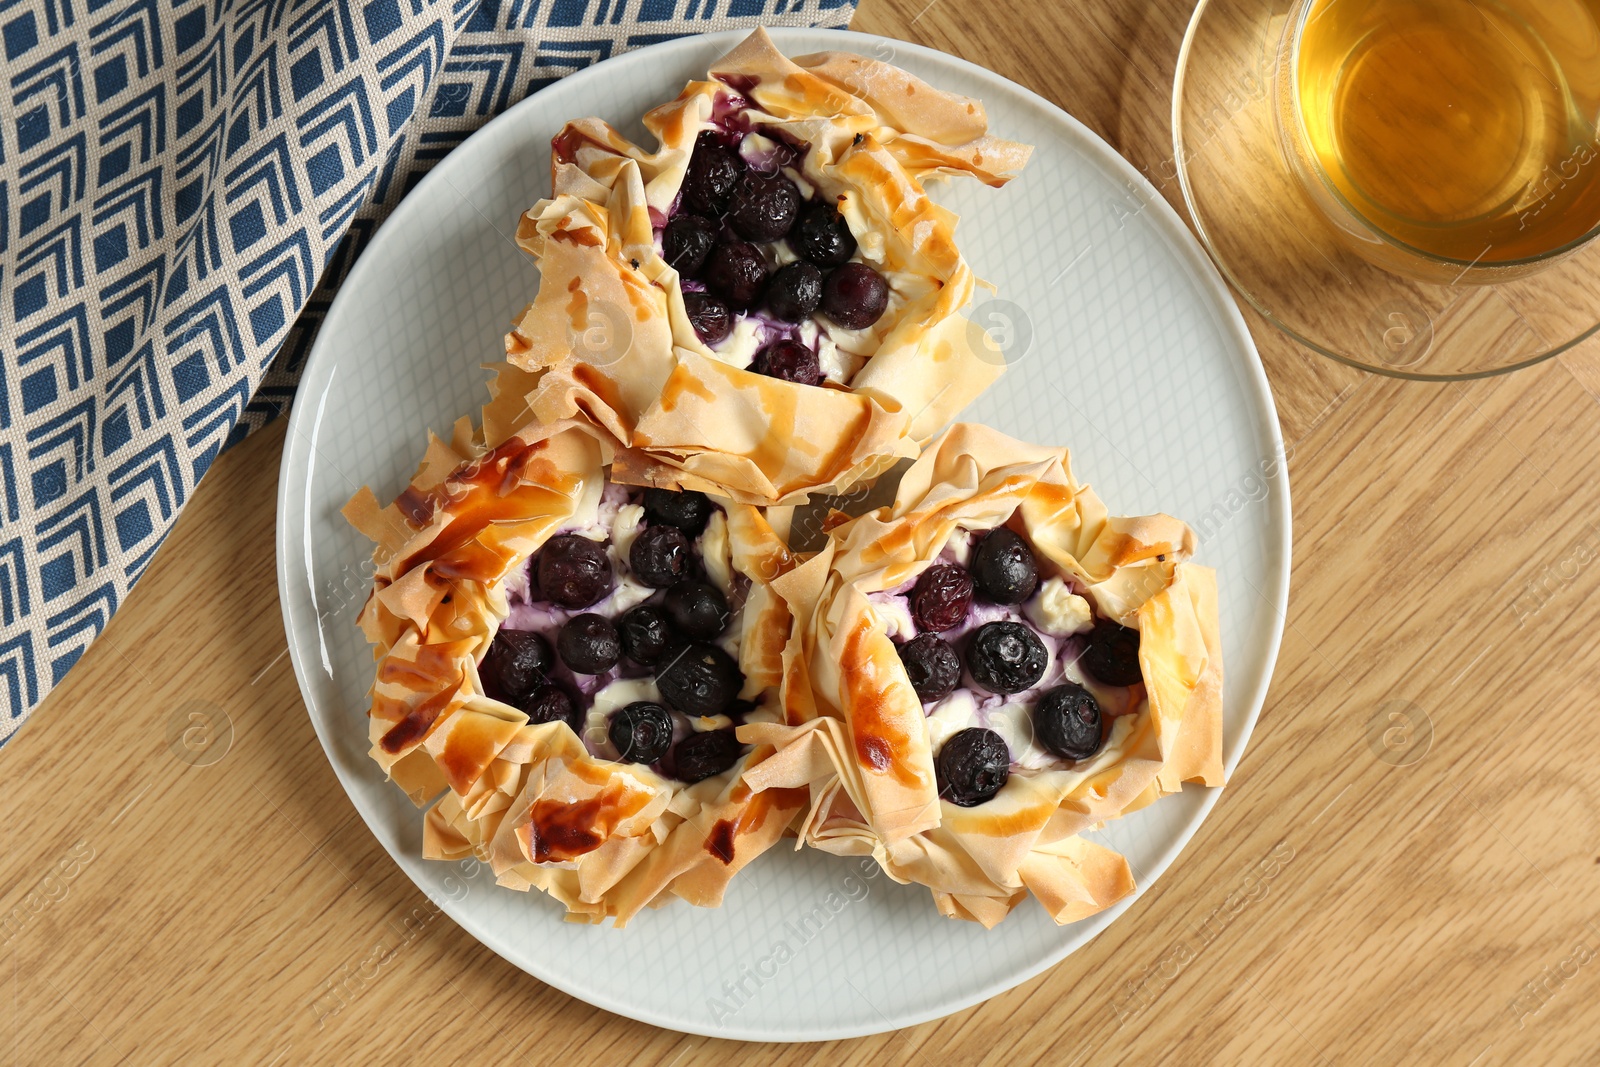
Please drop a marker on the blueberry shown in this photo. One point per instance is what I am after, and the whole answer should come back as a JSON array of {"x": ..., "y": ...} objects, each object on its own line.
[
  {"x": 855, "y": 296},
  {"x": 697, "y": 608},
  {"x": 551, "y": 703},
  {"x": 932, "y": 665},
  {"x": 823, "y": 237},
  {"x": 1113, "y": 654},
  {"x": 1003, "y": 567},
  {"x": 1067, "y": 722},
  {"x": 701, "y": 755},
  {"x": 1006, "y": 657},
  {"x": 972, "y": 766},
  {"x": 941, "y": 598},
  {"x": 515, "y": 665},
  {"x": 713, "y": 172},
  {"x": 737, "y": 273},
  {"x": 647, "y": 635},
  {"x": 795, "y": 291},
  {"x": 589, "y": 644},
  {"x": 641, "y": 731},
  {"x": 763, "y": 207},
  {"x": 574, "y": 571},
  {"x": 701, "y": 680},
  {"x": 660, "y": 556},
  {"x": 689, "y": 511},
  {"x": 686, "y": 242},
  {"x": 789, "y": 361},
  {"x": 710, "y": 317}
]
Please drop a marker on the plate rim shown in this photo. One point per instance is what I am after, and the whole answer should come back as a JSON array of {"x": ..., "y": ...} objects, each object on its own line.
[{"x": 1188, "y": 252}]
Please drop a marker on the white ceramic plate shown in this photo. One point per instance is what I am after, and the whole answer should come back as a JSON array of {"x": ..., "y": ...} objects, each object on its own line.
[{"x": 1135, "y": 357}]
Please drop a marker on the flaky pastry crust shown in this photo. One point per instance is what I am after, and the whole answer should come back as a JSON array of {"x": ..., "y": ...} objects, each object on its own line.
[
  {"x": 855, "y": 733},
  {"x": 609, "y": 321},
  {"x": 603, "y": 837}
]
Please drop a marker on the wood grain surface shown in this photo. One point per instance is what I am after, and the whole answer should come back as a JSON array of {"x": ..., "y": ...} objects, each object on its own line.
[{"x": 1430, "y": 895}]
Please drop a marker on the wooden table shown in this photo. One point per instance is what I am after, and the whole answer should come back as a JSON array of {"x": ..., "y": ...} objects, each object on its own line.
[{"x": 1435, "y": 901}]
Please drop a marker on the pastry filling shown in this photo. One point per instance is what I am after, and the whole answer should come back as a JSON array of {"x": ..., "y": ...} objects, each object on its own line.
[
  {"x": 772, "y": 276},
  {"x": 1016, "y": 675},
  {"x": 626, "y": 627}
]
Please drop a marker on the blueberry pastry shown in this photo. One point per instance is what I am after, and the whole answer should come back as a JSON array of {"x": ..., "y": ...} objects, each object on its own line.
[
  {"x": 993, "y": 665},
  {"x": 772, "y": 272},
  {"x": 567, "y": 660}
]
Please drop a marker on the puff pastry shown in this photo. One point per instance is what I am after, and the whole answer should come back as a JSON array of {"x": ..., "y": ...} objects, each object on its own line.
[
  {"x": 610, "y": 322},
  {"x": 553, "y": 805},
  {"x": 860, "y": 738}
]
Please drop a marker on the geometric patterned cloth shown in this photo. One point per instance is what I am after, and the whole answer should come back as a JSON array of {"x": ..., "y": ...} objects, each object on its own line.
[{"x": 183, "y": 185}]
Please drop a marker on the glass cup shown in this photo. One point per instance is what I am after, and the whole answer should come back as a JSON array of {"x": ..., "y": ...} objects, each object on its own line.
[{"x": 1408, "y": 186}]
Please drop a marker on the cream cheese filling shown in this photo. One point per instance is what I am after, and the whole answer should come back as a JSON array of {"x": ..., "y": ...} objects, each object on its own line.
[
  {"x": 1057, "y": 616},
  {"x": 616, "y": 521}
]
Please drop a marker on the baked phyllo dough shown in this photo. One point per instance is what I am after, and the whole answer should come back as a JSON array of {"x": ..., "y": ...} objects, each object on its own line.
[
  {"x": 989, "y": 667},
  {"x": 767, "y": 304},
  {"x": 566, "y": 659}
]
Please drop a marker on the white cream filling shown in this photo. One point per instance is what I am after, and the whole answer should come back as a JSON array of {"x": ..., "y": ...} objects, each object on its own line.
[
  {"x": 1014, "y": 723},
  {"x": 717, "y": 554},
  {"x": 622, "y": 692},
  {"x": 950, "y": 716},
  {"x": 629, "y": 592},
  {"x": 895, "y": 614},
  {"x": 781, "y": 254},
  {"x": 1058, "y": 611},
  {"x": 741, "y": 344},
  {"x": 837, "y": 364},
  {"x": 626, "y": 527}
]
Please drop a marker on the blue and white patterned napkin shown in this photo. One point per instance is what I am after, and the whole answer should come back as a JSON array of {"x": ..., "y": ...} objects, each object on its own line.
[{"x": 183, "y": 186}]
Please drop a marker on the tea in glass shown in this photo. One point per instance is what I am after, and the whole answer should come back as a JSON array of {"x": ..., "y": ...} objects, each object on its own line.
[{"x": 1447, "y": 139}]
